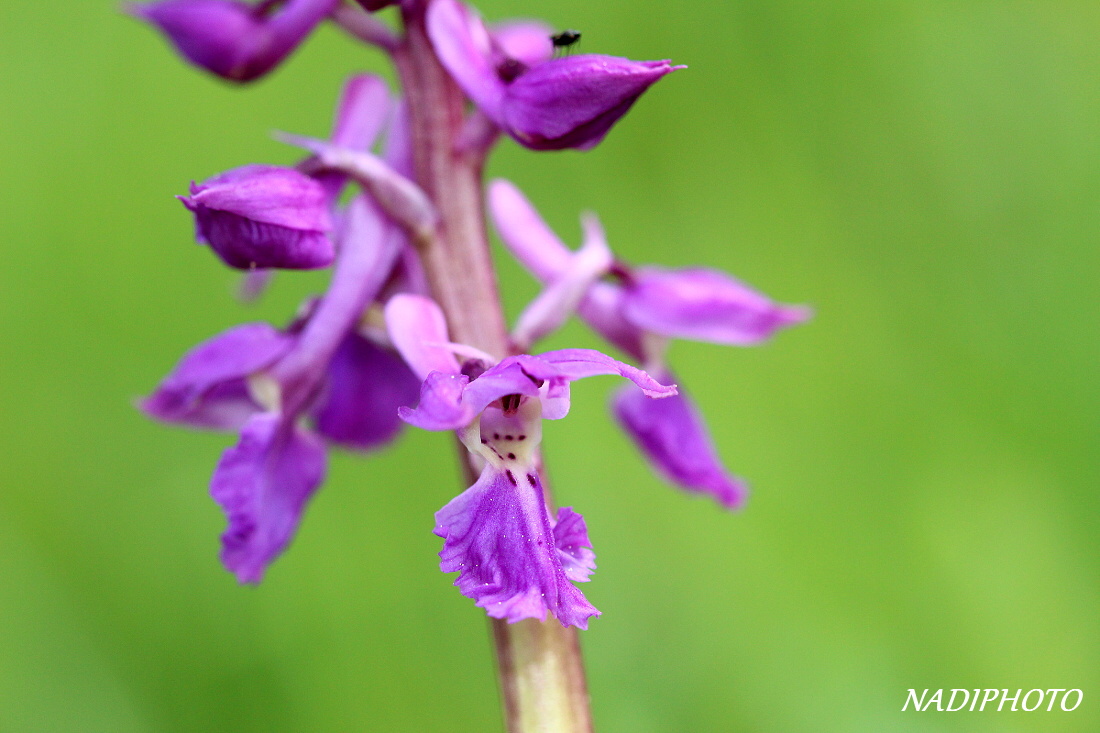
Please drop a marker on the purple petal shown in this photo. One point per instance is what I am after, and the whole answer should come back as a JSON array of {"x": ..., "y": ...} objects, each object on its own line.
[
  {"x": 540, "y": 251},
  {"x": 245, "y": 244},
  {"x": 366, "y": 385},
  {"x": 497, "y": 536},
  {"x": 207, "y": 388},
  {"x": 547, "y": 312},
  {"x": 262, "y": 217},
  {"x": 401, "y": 199},
  {"x": 601, "y": 309},
  {"x": 213, "y": 34},
  {"x": 465, "y": 49},
  {"x": 526, "y": 41},
  {"x": 398, "y": 150},
  {"x": 575, "y": 364},
  {"x": 417, "y": 327},
  {"x": 232, "y": 39},
  {"x": 522, "y": 375},
  {"x": 263, "y": 484},
  {"x": 573, "y": 102},
  {"x": 704, "y": 305},
  {"x": 362, "y": 113},
  {"x": 360, "y": 116},
  {"x": 574, "y": 547},
  {"x": 440, "y": 406},
  {"x": 674, "y": 439},
  {"x": 525, "y": 233},
  {"x": 267, "y": 194},
  {"x": 369, "y": 244}
]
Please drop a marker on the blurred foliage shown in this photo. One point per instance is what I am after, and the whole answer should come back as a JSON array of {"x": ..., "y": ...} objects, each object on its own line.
[{"x": 924, "y": 454}]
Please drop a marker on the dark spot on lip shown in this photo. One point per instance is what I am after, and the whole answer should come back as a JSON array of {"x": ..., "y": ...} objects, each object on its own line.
[
  {"x": 511, "y": 456},
  {"x": 522, "y": 437},
  {"x": 531, "y": 479},
  {"x": 508, "y": 437},
  {"x": 511, "y": 478},
  {"x": 496, "y": 436}
]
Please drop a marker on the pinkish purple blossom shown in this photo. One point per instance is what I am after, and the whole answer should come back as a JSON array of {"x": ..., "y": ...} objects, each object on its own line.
[
  {"x": 544, "y": 103},
  {"x": 263, "y": 216},
  {"x": 513, "y": 559},
  {"x": 232, "y": 39}
]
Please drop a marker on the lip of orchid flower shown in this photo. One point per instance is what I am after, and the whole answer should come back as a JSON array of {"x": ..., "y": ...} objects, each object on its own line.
[
  {"x": 542, "y": 102},
  {"x": 513, "y": 559},
  {"x": 234, "y": 40}
]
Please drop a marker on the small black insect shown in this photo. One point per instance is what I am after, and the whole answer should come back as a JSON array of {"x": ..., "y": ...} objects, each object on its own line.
[{"x": 565, "y": 39}]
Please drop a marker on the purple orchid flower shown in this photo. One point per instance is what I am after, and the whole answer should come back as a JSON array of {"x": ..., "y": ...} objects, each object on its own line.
[
  {"x": 542, "y": 102},
  {"x": 259, "y": 216},
  {"x": 513, "y": 559},
  {"x": 639, "y": 314},
  {"x": 231, "y": 39},
  {"x": 263, "y": 216},
  {"x": 262, "y": 382}
]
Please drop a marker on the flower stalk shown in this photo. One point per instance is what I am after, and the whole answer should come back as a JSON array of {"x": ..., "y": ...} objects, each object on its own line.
[{"x": 539, "y": 663}]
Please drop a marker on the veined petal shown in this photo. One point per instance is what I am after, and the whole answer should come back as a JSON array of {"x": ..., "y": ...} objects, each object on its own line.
[
  {"x": 418, "y": 329},
  {"x": 263, "y": 484},
  {"x": 465, "y": 49},
  {"x": 365, "y": 387},
  {"x": 674, "y": 439},
  {"x": 498, "y": 537},
  {"x": 208, "y": 387},
  {"x": 704, "y": 305},
  {"x": 248, "y": 245},
  {"x": 574, "y": 548}
]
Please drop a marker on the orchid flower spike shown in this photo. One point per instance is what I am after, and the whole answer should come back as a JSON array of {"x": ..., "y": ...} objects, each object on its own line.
[
  {"x": 513, "y": 558},
  {"x": 232, "y": 39},
  {"x": 544, "y": 103}
]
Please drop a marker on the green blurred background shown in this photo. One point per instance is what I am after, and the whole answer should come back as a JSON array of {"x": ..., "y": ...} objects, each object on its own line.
[{"x": 923, "y": 454}]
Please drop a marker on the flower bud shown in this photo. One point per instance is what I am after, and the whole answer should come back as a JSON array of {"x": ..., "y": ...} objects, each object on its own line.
[
  {"x": 544, "y": 103},
  {"x": 573, "y": 102},
  {"x": 261, "y": 216},
  {"x": 234, "y": 40}
]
